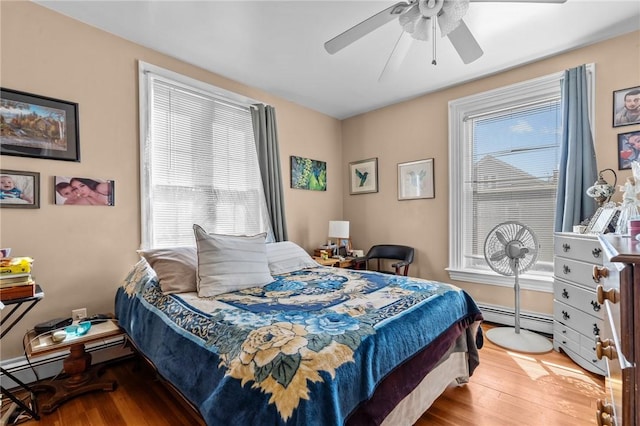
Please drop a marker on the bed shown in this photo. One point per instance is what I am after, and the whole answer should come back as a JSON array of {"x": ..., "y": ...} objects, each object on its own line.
[{"x": 316, "y": 346}]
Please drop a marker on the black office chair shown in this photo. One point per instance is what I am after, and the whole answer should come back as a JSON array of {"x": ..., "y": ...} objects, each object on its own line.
[{"x": 387, "y": 251}]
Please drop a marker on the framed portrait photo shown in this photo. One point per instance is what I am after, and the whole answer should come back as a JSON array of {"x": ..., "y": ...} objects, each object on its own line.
[
  {"x": 415, "y": 180},
  {"x": 38, "y": 126},
  {"x": 83, "y": 191},
  {"x": 626, "y": 106},
  {"x": 628, "y": 149},
  {"x": 19, "y": 189},
  {"x": 363, "y": 176},
  {"x": 601, "y": 219}
]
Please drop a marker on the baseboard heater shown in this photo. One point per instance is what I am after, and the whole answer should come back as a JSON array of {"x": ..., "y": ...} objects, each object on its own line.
[
  {"x": 533, "y": 321},
  {"x": 50, "y": 365}
]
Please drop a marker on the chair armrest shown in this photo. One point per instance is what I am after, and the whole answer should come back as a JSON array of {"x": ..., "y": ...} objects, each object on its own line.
[{"x": 399, "y": 264}]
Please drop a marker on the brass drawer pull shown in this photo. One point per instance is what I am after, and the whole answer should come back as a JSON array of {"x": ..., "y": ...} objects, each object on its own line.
[
  {"x": 604, "y": 413},
  {"x": 566, "y": 247},
  {"x": 596, "y": 330},
  {"x": 596, "y": 252},
  {"x": 596, "y": 306},
  {"x": 612, "y": 295},
  {"x": 606, "y": 348},
  {"x": 599, "y": 273},
  {"x": 565, "y": 315},
  {"x": 565, "y": 293},
  {"x": 566, "y": 269}
]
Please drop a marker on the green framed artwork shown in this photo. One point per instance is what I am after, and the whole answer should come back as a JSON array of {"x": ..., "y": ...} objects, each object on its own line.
[{"x": 308, "y": 174}]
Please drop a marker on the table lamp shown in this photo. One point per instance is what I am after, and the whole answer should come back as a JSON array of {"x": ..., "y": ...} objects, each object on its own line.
[{"x": 339, "y": 229}]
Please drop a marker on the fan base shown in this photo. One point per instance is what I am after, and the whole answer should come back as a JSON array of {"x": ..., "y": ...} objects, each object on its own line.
[{"x": 525, "y": 341}]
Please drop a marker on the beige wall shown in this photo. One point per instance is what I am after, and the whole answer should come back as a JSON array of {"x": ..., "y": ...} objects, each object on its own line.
[
  {"x": 82, "y": 252},
  {"x": 418, "y": 129}
]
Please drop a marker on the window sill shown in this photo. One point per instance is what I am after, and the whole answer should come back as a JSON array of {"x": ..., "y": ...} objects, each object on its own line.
[{"x": 534, "y": 282}]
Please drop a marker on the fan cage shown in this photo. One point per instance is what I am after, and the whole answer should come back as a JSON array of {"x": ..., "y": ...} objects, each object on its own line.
[{"x": 497, "y": 242}]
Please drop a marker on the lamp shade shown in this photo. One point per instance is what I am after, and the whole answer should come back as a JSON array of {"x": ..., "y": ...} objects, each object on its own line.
[{"x": 338, "y": 229}]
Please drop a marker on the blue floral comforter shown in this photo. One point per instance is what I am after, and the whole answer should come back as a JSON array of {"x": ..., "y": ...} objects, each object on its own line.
[{"x": 308, "y": 349}]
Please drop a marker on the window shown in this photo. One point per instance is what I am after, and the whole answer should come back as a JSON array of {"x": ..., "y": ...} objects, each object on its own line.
[
  {"x": 198, "y": 161},
  {"x": 504, "y": 152}
]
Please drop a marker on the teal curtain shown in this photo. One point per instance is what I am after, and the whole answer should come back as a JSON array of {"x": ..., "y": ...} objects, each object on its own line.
[
  {"x": 266, "y": 137},
  {"x": 577, "y": 170}
]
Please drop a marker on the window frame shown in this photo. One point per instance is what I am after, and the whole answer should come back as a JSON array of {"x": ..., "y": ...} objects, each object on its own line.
[
  {"x": 145, "y": 104},
  {"x": 531, "y": 91}
]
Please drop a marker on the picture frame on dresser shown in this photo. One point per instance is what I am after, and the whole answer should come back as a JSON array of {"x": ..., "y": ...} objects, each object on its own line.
[{"x": 601, "y": 219}]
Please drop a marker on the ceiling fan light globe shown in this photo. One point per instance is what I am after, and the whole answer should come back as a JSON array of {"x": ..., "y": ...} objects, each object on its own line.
[
  {"x": 429, "y": 8},
  {"x": 422, "y": 29}
]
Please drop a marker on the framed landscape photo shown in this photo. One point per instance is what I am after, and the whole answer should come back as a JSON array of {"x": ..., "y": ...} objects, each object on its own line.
[
  {"x": 626, "y": 106},
  {"x": 19, "y": 189},
  {"x": 415, "y": 180},
  {"x": 38, "y": 126},
  {"x": 363, "y": 176}
]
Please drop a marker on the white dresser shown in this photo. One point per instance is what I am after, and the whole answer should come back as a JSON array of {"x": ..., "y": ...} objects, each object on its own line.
[{"x": 578, "y": 317}]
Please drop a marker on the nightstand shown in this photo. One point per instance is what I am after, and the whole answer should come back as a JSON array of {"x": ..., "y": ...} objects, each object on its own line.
[
  {"x": 346, "y": 263},
  {"x": 81, "y": 377}
]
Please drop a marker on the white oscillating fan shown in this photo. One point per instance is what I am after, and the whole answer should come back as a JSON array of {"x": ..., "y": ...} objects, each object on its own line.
[{"x": 511, "y": 248}]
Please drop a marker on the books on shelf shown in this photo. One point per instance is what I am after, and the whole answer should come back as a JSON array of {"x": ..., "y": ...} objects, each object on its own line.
[
  {"x": 16, "y": 281},
  {"x": 15, "y": 265},
  {"x": 17, "y": 292}
]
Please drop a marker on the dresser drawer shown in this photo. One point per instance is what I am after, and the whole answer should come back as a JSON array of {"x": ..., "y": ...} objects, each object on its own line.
[
  {"x": 578, "y": 297},
  {"x": 579, "y": 247},
  {"x": 577, "y": 272},
  {"x": 582, "y": 322}
]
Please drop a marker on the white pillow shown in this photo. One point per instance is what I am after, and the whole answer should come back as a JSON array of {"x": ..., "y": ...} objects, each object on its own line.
[
  {"x": 229, "y": 263},
  {"x": 175, "y": 267},
  {"x": 287, "y": 256}
]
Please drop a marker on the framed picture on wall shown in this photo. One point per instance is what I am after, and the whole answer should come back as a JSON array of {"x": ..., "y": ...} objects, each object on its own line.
[
  {"x": 19, "y": 189},
  {"x": 628, "y": 149},
  {"x": 83, "y": 191},
  {"x": 308, "y": 174},
  {"x": 363, "y": 176},
  {"x": 415, "y": 180},
  {"x": 626, "y": 106},
  {"x": 38, "y": 126}
]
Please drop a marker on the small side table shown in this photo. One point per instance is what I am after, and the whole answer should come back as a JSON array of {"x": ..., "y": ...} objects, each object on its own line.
[
  {"x": 346, "y": 263},
  {"x": 26, "y": 303},
  {"x": 81, "y": 376}
]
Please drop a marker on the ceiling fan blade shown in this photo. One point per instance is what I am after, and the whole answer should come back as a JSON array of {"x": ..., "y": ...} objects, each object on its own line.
[
  {"x": 465, "y": 44},
  {"x": 518, "y": 1},
  {"x": 397, "y": 56},
  {"x": 360, "y": 30}
]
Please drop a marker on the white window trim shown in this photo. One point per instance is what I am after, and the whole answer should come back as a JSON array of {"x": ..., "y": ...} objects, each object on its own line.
[
  {"x": 459, "y": 111},
  {"x": 144, "y": 96}
]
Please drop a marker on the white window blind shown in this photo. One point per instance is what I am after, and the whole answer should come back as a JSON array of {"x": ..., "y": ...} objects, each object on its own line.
[
  {"x": 504, "y": 154},
  {"x": 514, "y": 176},
  {"x": 199, "y": 165}
]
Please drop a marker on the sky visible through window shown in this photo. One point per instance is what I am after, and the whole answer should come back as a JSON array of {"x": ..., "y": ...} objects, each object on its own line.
[{"x": 527, "y": 139}]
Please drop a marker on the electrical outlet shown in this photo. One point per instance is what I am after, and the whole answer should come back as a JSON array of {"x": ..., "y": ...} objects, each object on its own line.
[{"x": 79, "y": 314}]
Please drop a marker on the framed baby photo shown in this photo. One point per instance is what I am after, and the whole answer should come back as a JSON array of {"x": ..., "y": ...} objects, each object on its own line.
[
  {"x": 83, "y": 191},
  {"x": 628, "y": 149},
  {"x": 626, "y": 106},
  {"x": 19, "y": 189},
  {"x": 38, "y": 126}
]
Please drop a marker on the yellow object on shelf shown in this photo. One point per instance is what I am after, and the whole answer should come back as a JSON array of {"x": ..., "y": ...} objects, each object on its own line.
[{"x": 15, "y": 265}]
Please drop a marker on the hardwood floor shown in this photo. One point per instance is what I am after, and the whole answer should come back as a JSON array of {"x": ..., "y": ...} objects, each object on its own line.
[{"x": 506, "y": 389}]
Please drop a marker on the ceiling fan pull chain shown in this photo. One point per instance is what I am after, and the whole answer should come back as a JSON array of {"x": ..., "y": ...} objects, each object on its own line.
[{"x": 434, "y": 62}]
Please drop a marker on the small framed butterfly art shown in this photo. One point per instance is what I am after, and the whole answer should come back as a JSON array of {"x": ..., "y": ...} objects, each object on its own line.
[
  {"x": 363, "y": 176},
  {"x": 415, "y": 180}
]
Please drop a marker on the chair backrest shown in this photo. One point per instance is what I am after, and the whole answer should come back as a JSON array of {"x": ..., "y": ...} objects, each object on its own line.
[{"x": 394, "y": 252}]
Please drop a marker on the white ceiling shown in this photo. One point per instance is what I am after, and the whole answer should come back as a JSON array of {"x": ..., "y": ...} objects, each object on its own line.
[{"x": 277, "y": 46}]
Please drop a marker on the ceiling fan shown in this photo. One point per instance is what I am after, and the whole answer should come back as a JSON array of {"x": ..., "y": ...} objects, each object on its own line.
[{"x": 416, "y": 18}]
